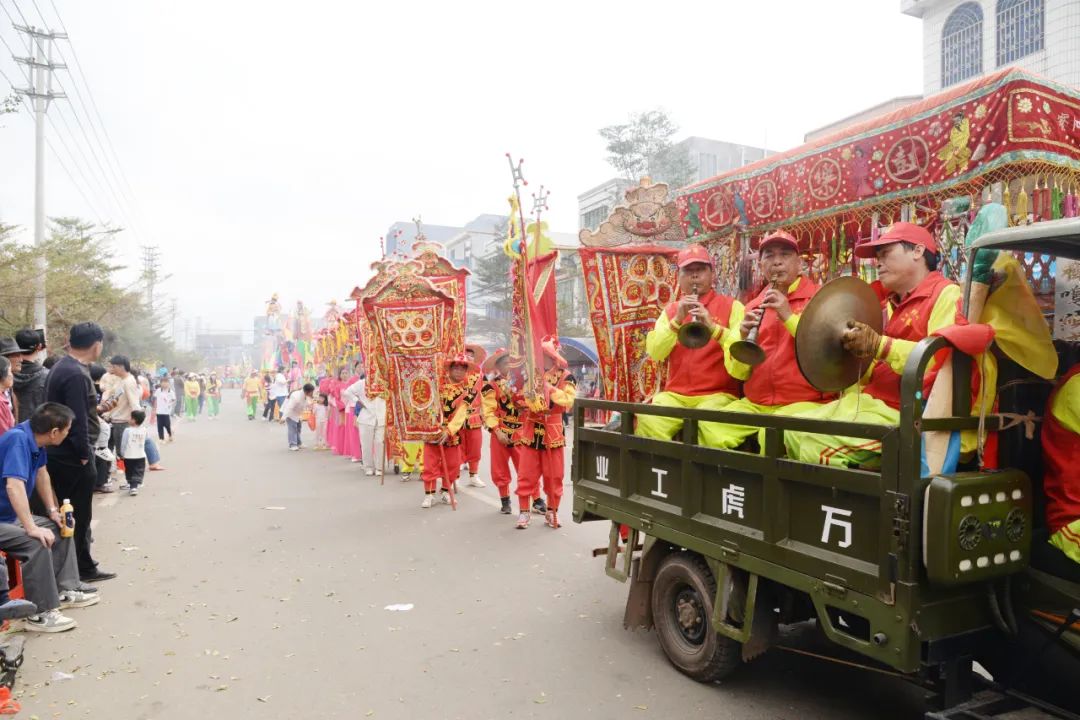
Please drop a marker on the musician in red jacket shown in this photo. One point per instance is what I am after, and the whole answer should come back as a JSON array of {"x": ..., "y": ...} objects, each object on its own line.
[
  {"x": 696, "y": 378},
  {"x": 775, "y": 387}
]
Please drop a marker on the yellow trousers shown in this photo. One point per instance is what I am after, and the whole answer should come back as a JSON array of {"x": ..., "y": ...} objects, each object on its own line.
[
  {"x": 836, "y": 449},
  {"x": 412, "y": 457},
  {"x": 730, "y": 436},
  {"x": 1067, "y": 540},
  {"x": 665, "y": 428}
]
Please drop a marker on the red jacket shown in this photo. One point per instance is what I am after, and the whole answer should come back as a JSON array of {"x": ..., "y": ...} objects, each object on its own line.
[
  {"x": 910, "y": 321},
  {"x": 701, "y": 371},
  {"x": 777, "y": 381},
  {"x": 1061, "y": 465}
]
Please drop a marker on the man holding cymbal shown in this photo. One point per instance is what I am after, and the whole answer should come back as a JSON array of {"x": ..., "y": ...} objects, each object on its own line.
[{"x": 921, "y": 302}]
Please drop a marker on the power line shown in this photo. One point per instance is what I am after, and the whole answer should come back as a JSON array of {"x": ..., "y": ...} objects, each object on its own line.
[
  {"x": 119, "y": 168},
  {"x": 107, "y": 186}
]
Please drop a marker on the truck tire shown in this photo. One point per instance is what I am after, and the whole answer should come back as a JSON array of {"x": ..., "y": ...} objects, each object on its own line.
[{"x": 683, "y": 595}]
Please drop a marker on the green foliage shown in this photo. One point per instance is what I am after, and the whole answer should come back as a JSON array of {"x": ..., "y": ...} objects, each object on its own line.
[
  {"x": 643, "y": 146},
  {"x": 491, "y": 281},
  {"x": 79, "y": 285}
]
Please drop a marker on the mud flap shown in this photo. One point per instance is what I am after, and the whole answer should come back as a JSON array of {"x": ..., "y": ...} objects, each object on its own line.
[
  {"x": 737, "y": 598},
  {"x": 639, "y": 600}
]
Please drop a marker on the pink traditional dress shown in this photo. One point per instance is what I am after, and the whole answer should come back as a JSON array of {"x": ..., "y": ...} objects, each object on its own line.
[
  {"x": 350, "y": 431},
  {"x": 333, "y": 416}
]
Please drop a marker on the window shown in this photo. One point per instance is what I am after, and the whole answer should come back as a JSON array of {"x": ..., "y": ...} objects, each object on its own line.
[
  {"x": 961, "y": 44},
  {"x": 592, "y": 219},
  {"x": 1020, "y": 26}
]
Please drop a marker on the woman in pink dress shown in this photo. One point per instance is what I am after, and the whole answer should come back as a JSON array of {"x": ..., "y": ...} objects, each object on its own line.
[
  {"x": 350, "y": 431},
  {"x": 333, "y": 418}
]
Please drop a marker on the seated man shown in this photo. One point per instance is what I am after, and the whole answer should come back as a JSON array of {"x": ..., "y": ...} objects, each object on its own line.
[
  {"x": 696, "y": 378},
  {"x": 50, "y": 573},
  {"x": 1061, "y": 479},
  {"x": 921, "y": 302},
  {"x": 775, "y": 387}
]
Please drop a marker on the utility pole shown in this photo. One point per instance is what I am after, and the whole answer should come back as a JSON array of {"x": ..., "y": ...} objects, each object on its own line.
[
  {"x": 150, "y": 274},
  {"x": 41, "y": 68}
]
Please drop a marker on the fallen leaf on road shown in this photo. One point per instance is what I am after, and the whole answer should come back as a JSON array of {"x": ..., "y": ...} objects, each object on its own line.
[
  {"x": 641, "y": 707},
  {"x": 186, "y": 492},
  {"x": 400, "y": 607},
  {"x": 540, "y": 700},
  {"x": 129, "y": 549},
  {"x": 274, "y": 507},
  {"x": 263, "y": 699},
  {"x": 220, "y": 688}
]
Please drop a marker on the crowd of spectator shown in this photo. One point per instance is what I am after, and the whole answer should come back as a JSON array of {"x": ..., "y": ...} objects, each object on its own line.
[{"x": 70, "y": 426}]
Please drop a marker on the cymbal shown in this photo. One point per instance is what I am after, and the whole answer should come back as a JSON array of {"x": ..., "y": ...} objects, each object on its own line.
[{"x": 822, "y": 358}]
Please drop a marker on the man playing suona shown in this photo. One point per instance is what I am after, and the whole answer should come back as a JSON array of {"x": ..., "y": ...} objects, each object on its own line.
[
  {"x": 775, "y": 387},
  {"x": 696, "y": 378}
]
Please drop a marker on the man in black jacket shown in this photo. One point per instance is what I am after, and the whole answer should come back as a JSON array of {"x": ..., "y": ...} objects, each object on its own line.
[
  {"x": 30, "y": 379},
  {"x": 71, "y": 464}
]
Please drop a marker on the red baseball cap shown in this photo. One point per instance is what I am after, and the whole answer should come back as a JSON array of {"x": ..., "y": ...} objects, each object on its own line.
[
  {"x": 781, "y": 237},
  {"x": 694, "y": 254},
  {"x": 899, "y": 232}
]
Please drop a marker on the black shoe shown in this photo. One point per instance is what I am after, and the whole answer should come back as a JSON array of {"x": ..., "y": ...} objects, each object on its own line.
[
  {"x": 506, "y": 509},
  {"x": 539, "y": 506},
  {"x": 17, "y": 610},
  {"x": 96, "y": 575}
]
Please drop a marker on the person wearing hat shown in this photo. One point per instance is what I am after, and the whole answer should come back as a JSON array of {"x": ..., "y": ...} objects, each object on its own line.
[
  {"x": 920, "y": 302},
  {"x": 29, "y": 387},
  {"x": 500, "y": 413},
  {"x": 442, "y": 457},
  {"x": 541, "y": 438},
  {"x": 775, "y": 387},
  {"x": 696, "y": 378},
  {"x": 472, "y": 436},
  {"x": 13, "y": 353}
]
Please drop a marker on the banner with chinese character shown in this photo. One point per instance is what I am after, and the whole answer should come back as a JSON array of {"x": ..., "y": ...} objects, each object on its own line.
[
  {"x": 451, "y": 280},
  {"x": 952, "y": 142},
  {"x": 627, "y": 288},
  {"x": 409, "y": 319},
  {"x": 534, "y": 313},
  {"x": 1067, "y": 301}
]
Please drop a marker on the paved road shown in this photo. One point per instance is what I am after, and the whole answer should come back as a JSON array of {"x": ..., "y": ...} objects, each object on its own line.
[{"x": 253, "y": 583}]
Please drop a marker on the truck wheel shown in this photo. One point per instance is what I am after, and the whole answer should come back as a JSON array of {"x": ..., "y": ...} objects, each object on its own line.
[{"x": 683, "y": 594}]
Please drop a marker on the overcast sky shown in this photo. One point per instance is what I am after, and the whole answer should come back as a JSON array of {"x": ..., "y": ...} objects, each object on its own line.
[{"x": 269, "y": 144}]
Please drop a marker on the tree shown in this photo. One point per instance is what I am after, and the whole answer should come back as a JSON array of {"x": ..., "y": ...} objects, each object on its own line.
[
  {"x": 643, "y": 146},
  {"x": 79, "y": 286},
  {"x": 492, "y": 283}
]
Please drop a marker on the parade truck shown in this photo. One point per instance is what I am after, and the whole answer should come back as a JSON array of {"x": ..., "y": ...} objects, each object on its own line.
[{"x": 923, "y": 573}]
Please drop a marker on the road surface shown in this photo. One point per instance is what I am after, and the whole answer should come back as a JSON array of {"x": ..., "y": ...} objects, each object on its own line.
[{"x": 254, "y": 583}]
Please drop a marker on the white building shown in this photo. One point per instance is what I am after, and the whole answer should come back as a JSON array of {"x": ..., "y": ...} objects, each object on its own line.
[{"x": 963, "y": 39}]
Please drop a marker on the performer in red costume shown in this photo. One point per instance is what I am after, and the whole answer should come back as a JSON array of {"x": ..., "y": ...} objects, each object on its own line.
[
  {"x": 541, "y": 437},
  {"x": 500, "y": 414},
  {"x": 442, "y": 458},
  {"x": 472, "y": 437}
]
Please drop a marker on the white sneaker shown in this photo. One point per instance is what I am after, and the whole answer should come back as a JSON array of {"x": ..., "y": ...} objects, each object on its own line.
[
  {"x": 355, "y": 460},
  {"x": 444, "y": 497},
  {"x": 475, "y": 481},
  {"x": 427, "y": 501},
  {"x": 77, "y": 599},
  {"x": 406, "y": 477},
  {"x": 50, "y": 622},
  {"x": 293, "y": 448},
  {"x": 133, "y": 492},
  {"x": 369, "y": 472}
]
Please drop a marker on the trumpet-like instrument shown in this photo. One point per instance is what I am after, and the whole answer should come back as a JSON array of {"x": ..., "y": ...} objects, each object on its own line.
[
  {"x": 694, "y": 334},
  {"x": 747, "y": 351}
]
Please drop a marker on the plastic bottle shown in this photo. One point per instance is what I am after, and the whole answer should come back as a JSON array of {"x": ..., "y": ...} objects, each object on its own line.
[{"x": 67, "y": 514}]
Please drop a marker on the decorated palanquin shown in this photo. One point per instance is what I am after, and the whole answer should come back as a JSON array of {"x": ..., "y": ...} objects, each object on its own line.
[
  {"x": 409, "y": 322},
  {"x": 1010, "y": 137},
  {"x": 630, "y": 275}
]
